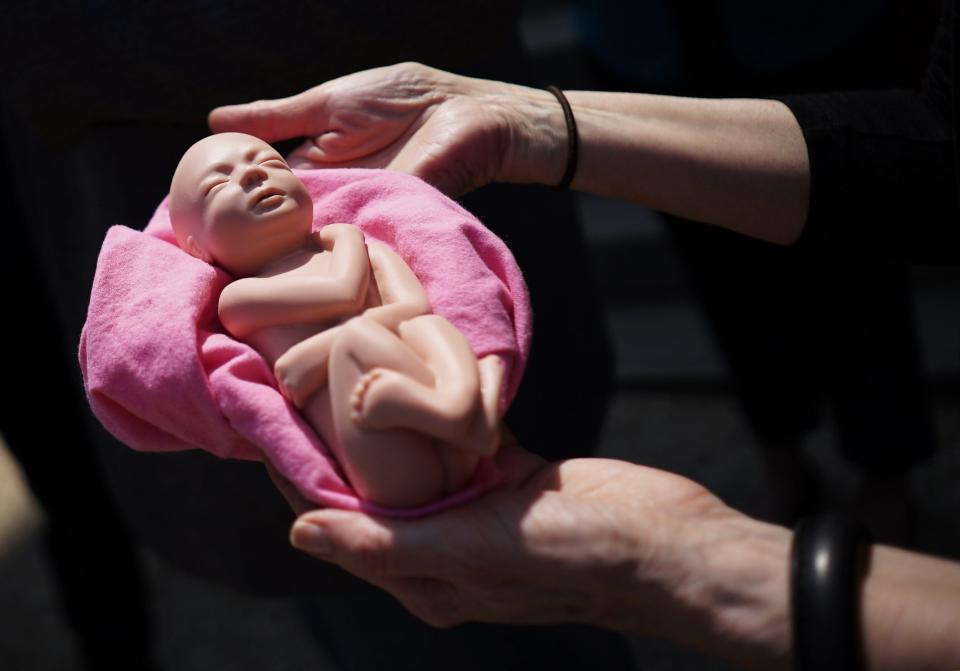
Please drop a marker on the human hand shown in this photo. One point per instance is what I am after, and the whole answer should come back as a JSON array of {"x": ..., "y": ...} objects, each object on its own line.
[
  {"x": 457, "y": 133},
  {"x": 587, "y": 540}
]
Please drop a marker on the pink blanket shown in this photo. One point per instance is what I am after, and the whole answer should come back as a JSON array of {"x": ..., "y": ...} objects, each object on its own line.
[{"x": 162, "y": 375}]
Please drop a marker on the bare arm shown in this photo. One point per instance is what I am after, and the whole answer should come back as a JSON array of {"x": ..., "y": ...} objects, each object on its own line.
[
  {"x": 910, "y": 603},
  {"x": 253, "y": 303},
  {"x": 740, "y": 164}
]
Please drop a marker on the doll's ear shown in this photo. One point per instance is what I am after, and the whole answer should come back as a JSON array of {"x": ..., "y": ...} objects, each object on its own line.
[{"x": 194, "y": 248}]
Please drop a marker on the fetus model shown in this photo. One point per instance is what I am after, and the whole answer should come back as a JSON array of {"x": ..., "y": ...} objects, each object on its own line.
[{"x": 394, "y": 391}]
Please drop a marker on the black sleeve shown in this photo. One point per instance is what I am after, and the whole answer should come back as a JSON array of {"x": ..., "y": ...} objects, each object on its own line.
[{"x": 883, "y": 173}]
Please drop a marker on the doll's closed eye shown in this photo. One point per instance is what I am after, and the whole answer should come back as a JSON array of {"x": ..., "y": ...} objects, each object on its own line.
[
  {"x": 212, "y": 186},
  {"x": 276, "y": 163}
]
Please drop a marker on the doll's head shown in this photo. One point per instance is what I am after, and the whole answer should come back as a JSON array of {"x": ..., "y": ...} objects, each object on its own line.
[{"x": 234, "y": 202}]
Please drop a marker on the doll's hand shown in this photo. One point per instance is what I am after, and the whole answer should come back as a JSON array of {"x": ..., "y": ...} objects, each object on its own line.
[
  {"x": 455, "y": 132},
  {"x": 291, "y": 381},
  {"x": 328, "y": 236},
  {"x": 302, "y": 369}
]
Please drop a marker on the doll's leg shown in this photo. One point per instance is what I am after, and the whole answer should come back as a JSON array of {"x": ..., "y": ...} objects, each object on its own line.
[
  {"x": 369, "y": 345},
  {"x": 484, "y": 436},
  {"x": 445, "y": 408},
  {"x": 393, "y": 468}
]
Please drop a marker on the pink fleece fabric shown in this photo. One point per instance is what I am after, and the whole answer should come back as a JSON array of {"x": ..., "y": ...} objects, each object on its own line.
[{"x": 161, "y": 373}]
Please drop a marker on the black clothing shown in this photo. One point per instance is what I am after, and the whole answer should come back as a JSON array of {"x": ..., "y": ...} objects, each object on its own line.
[
  {"x": 829, "y": 322},
  {"x": 887, "y": 157}
]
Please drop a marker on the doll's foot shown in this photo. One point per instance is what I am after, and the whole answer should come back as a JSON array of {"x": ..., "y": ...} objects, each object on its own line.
[
  {"x": 358, "y": 398},
  {"x": 483, "y": 437},
  {"x": 375, "y": 399},
  {"x": 491, "y": 381}
]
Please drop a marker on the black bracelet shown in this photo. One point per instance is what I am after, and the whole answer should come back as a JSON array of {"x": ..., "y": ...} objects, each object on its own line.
[
  {"x": 828, "y": 564},
  {"x": 572, "y": 140}
]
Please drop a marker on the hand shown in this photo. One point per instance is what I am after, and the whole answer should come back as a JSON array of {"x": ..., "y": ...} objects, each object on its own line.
[
  {"x": 294, "y": 381},
  {"x": 455, "y": 132},
  {"x": 302, "y": 369},
  {"x": 584, "y": 540},
  {"x": 327, "y": 236}
]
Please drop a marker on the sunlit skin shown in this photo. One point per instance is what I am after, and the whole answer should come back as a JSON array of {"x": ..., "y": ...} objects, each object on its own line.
[
  {"x": 603, "y": 542},
  {"x": 396, "y": 392}
]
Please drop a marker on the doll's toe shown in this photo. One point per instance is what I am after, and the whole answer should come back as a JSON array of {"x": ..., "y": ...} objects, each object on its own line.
[{"x": 358, "y": 397}]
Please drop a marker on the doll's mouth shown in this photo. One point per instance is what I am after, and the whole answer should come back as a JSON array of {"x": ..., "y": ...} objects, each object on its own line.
[{"x": 267, "y": 199}]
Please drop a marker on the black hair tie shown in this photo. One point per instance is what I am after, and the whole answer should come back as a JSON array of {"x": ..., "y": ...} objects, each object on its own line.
[{"x": 572, "y": 141}]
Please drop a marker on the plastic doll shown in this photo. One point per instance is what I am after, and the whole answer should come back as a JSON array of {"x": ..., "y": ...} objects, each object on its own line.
[{"x": 395, "y": 392}]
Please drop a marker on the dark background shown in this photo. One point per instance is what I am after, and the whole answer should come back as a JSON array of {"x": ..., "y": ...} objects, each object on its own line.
[{"x": 673, "y": 408}]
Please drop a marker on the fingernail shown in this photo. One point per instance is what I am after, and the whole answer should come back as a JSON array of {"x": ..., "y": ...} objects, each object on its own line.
[{"x": 310, "y": 538}]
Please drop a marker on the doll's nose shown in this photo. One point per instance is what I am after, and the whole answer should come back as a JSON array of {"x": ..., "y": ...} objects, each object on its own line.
[{"x": 252, "y": 176}]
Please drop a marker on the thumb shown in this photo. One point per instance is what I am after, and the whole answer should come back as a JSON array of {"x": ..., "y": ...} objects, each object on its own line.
[
  {"x": 395, "y": 556},
  {"x": 375, "y": 549},
  {"x": 271, "y": 120}
]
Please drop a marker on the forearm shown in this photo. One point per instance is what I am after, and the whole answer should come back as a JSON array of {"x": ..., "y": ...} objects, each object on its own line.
[
  {"x": 911, "y": 612},
  {"x": 726, "y": 591},
  {"x": 739, "y": 609},
  {"x": 741, "y": 164},
  {"x": 349, "y": 261},
  {"x": 254, "y": 303},
  {"x": 399, "y": 291}
]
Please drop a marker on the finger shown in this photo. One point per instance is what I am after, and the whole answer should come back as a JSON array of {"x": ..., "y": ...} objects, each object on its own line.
[
  {"x": 272, "y": 120},
  {"x": 437, "y": 174},
  {"x": 298, "y": 158},
  {"x": 310, "y": 156},
  {"x": 372, "y": 548},
  {"x": 370, "y": 553}
]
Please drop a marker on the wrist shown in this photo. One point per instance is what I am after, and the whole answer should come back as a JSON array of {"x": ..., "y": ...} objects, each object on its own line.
[
  {"x": 748, "y": 600},
  {"x": 536, "y": 134},
  {"x": 733, "y": 590}
]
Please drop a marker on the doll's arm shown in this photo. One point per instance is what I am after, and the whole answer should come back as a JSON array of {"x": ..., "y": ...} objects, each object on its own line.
[
  {"x": 401, "y": 294},
  {"x": 253, "y": 303},
  {"x": 303, "y": 368}
]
